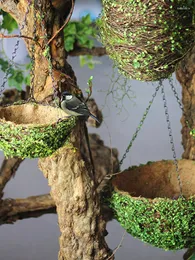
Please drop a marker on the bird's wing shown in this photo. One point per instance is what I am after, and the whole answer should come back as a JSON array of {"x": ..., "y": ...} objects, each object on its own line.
[{"x": 81, "y": 108}]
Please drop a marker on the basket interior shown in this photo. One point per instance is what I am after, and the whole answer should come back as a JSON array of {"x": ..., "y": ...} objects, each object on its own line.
[
  {"x": 31, "y": 114},
  {"x": 157, "y": 180}
]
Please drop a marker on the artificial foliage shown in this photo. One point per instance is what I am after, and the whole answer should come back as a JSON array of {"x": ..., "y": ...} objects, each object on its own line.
[
  {"x": 163, "y": 223},
  {"x": 148, "y": 202},
  {"x": 146, "y": 39},
  {"x": 23, "y": 138}
]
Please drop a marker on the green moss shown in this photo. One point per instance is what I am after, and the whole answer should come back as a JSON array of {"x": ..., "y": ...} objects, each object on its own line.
[
  {"x": 146, "y": 39},
  {"x": 33, "y": 141},
  {"x": 163, "y": 223}
]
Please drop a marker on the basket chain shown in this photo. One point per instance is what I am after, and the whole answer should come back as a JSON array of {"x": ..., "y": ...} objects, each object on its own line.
[
  {"x": 14, "y": 53},
  {"x": 140, "y": 125},
  {"x": 171, "y": 137},
  {"x": 179, "y": 102},
  {"x": 32, "y": 74}
]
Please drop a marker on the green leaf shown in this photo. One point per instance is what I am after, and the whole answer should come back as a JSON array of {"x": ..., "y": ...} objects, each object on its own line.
[
  {"x": 80, "y": 33},
  {"x": 69, "y": 43},
  {"x": 8, "y": 22},
  {"x": 16, "y": 78},
  {"x": 90, "y": 65},
  {"x": 13, "y": 83},
  {"x": 4, "y": 64},
  {"x": 70, "y": 29},
  {"x": 28, "y": 66},
  {"x": 86, "y": 19},
  {"x": 136, "y": 64},
  {"x": 87, "y": 60},
  {"x": 90, "y": 80},
  {"x": 27, "y": 80},
  {"x": 192, "y": 257},
  {"x": 189, "y": 2},
  {"x": 18, "y": 75},
  {"x": 82, "y": 60}
]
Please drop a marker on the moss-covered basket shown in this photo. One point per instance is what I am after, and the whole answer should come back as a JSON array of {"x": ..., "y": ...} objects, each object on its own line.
[
  {"x": 32, "y": 130},
  {"x": 146, "y": 39},
  {"x": 146, "y": 203}
]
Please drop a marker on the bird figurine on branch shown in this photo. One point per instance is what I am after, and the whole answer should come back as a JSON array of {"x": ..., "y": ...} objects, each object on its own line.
[{"x": 72, "y": 105}]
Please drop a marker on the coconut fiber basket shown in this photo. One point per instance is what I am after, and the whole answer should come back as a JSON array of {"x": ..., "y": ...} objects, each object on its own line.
[
  {"x": 147, "y": 203},
  {"x": 147, "y": 39},
  {"x": 32, "y": 130}
]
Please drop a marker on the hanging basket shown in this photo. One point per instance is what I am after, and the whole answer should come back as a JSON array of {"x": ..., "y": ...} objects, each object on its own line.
[
  {"x": 146, "y": 39},
  {"x": 32, "y": 130},
  {"x": 146, "y": 203}
]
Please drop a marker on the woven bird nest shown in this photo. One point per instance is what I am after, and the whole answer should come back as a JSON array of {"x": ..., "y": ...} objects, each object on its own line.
[
  {"x": 32, "y": 130},
  {"x": 146, "y": 203},
  {"x": 146, "y": 39}
]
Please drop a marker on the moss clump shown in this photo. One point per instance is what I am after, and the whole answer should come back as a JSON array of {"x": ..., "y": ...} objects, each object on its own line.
[
  {"x": 22, "y": 134},
  {"x": 146, "y": 39},
  {"x": 163, "y": 223}
]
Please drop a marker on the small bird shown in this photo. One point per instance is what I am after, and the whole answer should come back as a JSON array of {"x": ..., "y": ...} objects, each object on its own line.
[{"x": 75, "y": 107}]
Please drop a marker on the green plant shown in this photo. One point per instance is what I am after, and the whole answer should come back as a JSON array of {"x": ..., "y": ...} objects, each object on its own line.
[
  {"x": 16, "y": 76},
  {"x": 17, "y": 73},
  {"x": 88, "y": 60},
  {"x": 164, "y": 223},
  {"x": 8, "y": 23},
  {"x": 79, "y": 33},
  {"x": 32, "y": 139},
  {"x": 146, "y": 39}
]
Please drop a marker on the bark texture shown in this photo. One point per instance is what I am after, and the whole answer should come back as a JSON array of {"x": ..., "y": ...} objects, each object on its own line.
[
  {"x": 186, "y": 76},
  {"x": 35, "y": 206},
  {"x": 8, "y": 170},
  {"x": 69, "y": 175},
  {"x": 77, "y": 202}
]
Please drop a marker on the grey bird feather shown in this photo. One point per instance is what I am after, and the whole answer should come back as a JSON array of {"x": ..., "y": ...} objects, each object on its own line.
[{"x": 75, "y": 107}]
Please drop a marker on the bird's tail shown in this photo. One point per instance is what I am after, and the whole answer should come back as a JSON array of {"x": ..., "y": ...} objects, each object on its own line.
[{"x": 95, "y": 118}]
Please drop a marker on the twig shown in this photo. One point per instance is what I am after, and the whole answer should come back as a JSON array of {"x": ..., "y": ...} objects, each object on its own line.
[
  {"x": 15, "y": 36},
  {"x": 8, "y": 169},
  {"x": 62, "y": 27},
  {"x": 19, "y": 36},
  {"x": 119, "y": 245},
  {"x": 12, "y": 210},
  {"x": 90, "y": 84}
]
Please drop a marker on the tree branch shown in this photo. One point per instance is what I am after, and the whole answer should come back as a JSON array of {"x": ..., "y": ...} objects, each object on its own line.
[
  {"x": 12, "y": 210},
  {"x": 11, "y": 7},
  {"x": 8, "y": 170},
  {"x": 95, "y": 51},
  {"x": 65, "y": 23}
]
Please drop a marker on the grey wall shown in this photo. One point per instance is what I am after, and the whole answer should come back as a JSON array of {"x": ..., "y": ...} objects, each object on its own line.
[{"x": 37, "y": 239}]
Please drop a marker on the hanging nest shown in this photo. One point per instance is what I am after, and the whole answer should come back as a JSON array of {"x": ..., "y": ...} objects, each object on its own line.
[
  {"x": 146, "y": 39},
  {"x": 146, "y": 203},
  {"x": 32, "y": 130}
]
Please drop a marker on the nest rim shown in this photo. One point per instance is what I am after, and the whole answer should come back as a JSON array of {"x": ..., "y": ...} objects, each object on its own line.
[
  {"x": 56, "y": 110},
  {"x": 23, "y": 135}
]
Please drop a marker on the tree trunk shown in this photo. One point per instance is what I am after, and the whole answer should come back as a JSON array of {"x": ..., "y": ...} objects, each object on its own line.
[
  {"x": 77, "y": 203},
  {"x": 69, "y": 175},
  {"x": 186, "y": 76}
]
